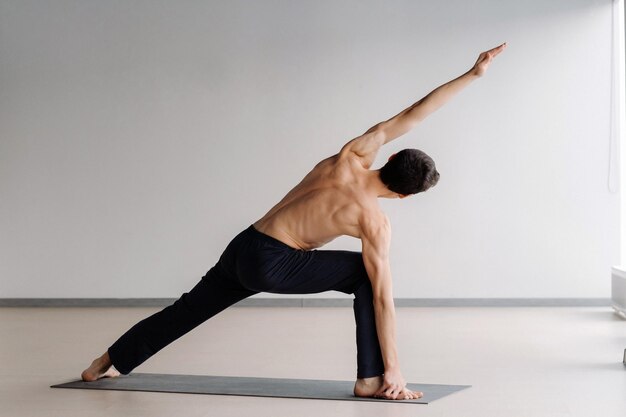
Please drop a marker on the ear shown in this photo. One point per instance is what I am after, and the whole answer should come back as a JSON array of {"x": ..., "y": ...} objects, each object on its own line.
[
  {"x": 402, "y": 195},
  {"x": 391, "y": 157}
]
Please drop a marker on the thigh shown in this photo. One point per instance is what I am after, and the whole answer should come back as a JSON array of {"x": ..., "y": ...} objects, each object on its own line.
[
  {"x": 216, "y": 291},
  {"x": 321, "y": 270}
]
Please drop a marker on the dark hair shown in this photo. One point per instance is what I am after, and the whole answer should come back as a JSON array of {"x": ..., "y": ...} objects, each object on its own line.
[{"x": 410, "y": 171}]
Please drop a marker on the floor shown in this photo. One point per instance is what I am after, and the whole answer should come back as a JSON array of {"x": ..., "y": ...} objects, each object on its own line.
[{"x": 528, "y": 362}]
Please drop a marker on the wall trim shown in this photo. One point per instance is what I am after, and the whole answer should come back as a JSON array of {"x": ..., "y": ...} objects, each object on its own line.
[{"x": 312, "y": 302}]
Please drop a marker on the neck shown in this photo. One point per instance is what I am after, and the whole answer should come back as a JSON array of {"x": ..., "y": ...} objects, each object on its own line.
[{"x": 377, "y": 186}]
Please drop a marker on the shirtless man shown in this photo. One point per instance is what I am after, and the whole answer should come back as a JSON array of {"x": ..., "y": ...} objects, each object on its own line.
[{"x": 278, "y": 252}]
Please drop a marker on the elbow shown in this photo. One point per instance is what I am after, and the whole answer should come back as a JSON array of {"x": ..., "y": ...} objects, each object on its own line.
[
  {"x": 379, "y": 130},
  {"x": 375, "y": 128}
]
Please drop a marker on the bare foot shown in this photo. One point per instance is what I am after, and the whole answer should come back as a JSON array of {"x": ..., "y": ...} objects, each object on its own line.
[
  {"x": 367, "y": 387},
  {"x": 101, "y": 367}
]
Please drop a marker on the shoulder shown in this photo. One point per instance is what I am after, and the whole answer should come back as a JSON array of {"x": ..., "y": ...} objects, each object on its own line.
[
  {"x": 362, "y": 145},
  {"x": 340, "y": 168},
  {"x": 365, "y": 147},
  {"x": 374, "y": 223},
  {"x": 375, "y": 236}
]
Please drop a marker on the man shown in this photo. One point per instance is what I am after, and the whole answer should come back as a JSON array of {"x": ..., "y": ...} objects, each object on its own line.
[{"x": 277, "y": 253}]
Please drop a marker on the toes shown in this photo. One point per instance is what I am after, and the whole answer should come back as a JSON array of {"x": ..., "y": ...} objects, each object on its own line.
[{"x": 413, "y": 395}]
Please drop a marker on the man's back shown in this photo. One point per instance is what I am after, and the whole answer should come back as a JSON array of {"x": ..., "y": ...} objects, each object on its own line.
[{"x": 327, "y": 203}]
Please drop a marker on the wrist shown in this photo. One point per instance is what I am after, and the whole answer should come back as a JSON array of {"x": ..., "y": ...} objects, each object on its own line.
[
  {"x": 472, "y": 74},
  {"x": 391, "y": 367}
]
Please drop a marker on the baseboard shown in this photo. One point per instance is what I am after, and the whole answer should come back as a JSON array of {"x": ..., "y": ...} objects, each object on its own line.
[
  {"x": 312, "y": 302},
  {"x": 618, "y": 289}
]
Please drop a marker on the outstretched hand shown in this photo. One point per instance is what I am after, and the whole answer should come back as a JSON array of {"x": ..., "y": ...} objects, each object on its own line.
[
  {"x": 484, "y": 59},
  {"x": 394, "y": 387}
]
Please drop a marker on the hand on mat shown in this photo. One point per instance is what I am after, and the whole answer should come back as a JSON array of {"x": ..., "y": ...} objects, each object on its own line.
[
  {"x": 394, "y": 387},
  {"x": 484, "y": 59}
]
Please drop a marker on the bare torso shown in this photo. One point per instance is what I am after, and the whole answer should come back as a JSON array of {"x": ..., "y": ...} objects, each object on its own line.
[{"x": 326, "y": 204}]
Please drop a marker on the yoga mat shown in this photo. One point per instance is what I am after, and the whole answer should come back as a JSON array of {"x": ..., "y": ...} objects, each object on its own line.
[{"x": 256, "y": 387}]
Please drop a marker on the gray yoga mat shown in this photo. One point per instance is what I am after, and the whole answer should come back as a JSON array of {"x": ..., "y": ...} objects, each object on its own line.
[{"x": 257, "y": 387}]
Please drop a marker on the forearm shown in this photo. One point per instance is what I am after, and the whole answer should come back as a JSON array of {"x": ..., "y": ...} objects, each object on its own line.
[
  {"x": 439, "y": 96},
  {"x": 385, "y": 316},
  {"x": 412, "y": 115}
]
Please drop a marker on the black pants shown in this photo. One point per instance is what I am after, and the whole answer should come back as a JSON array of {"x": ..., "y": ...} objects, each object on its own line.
[{"x": 254, "y": 262}]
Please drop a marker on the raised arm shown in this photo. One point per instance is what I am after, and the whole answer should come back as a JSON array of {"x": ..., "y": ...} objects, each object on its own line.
[{"x": 367, "y": 145}]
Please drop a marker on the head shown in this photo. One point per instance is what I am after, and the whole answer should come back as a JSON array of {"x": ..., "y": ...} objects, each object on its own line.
[{"x": 409, "y": 171}]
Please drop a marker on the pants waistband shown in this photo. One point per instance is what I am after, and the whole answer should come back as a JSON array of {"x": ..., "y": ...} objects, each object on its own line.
[{"x": 267, "y": 238}]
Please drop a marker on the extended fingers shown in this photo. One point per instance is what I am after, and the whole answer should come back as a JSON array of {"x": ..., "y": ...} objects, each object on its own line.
[
  {"x": 389, "y": 392},
  {"x": 392, "y": 393},
  {"x": 397, "y": 393},
  {"x": 488, "y": 55},
  {"x": 495, "y": 51}
]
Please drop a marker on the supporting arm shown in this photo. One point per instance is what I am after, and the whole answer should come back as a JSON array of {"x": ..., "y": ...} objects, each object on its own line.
[{"x": 375, "y": 236}]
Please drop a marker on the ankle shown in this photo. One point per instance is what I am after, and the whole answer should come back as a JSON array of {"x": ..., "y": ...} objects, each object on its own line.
[
  {"x": 373, "y": 380},
  {"x": 104, "y": 360}
]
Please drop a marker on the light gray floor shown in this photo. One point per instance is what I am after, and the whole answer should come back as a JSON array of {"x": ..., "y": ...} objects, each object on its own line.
[{"x": 529, "y": 362}]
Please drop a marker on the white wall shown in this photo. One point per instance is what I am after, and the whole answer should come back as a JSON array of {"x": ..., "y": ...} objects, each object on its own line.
[
  {"x": 619, "y": 112},
  {"x": 137, "y": 138}
]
